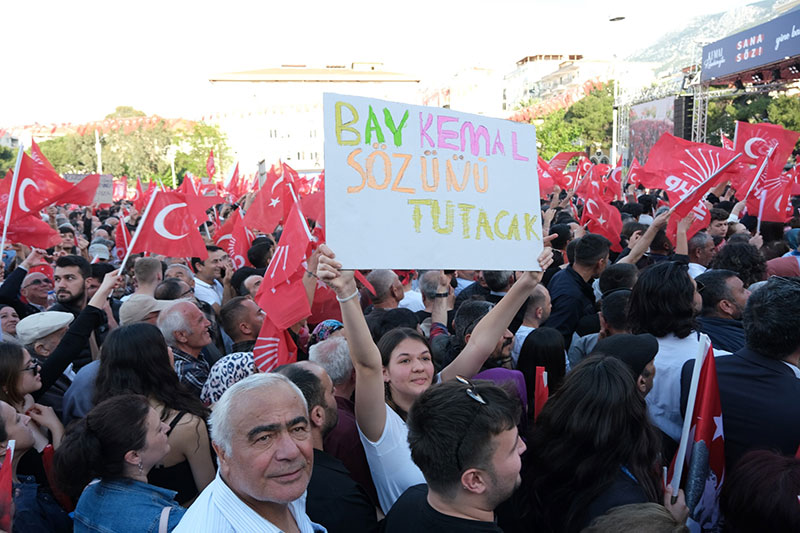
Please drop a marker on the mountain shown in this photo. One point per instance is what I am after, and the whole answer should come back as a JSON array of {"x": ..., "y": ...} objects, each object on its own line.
[{"x": 682, "y": 48}]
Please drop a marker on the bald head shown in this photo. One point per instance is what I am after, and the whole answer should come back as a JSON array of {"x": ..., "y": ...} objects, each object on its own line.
[{"x": 388, "y": 290}]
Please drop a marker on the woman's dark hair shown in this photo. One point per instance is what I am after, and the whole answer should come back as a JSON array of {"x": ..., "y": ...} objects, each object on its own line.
[
  {"x": 662, "y": 301},
  {"x": 386, "y": 345},
  {"x": 542, "y": 347},
  {"x": 594, "y": 425},
  {"x": 134, "y": 360},
  {"x": 761, "y": 494},
  {"x": 11, "y": 358},
  {"x": 744, "y": 259},
  {"x": 95, "y": 446}
]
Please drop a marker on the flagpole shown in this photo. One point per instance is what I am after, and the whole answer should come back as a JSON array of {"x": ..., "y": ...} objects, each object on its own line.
[
  {"x": 11, "y": 196},
  {"x": 300, "y": 212},
  {"x": 138, "y": 228},
  {"x": 758, "y": 175},
  {"x": 687, "y": 419},
  {"x": 711, "y": 177},
  {"x": 761, "y": 210}
]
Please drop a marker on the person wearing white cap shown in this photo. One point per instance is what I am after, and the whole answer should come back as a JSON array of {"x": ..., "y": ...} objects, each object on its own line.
[
  {"x": 56, "y": 338},
  {"x": 99, "y": 253}
]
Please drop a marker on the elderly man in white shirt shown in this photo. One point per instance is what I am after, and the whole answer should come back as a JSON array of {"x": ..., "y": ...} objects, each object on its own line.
[{"x": 262, "y": 435}]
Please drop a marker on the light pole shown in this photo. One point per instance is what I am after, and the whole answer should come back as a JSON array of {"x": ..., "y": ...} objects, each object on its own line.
[{"x": 616, "y": 98}]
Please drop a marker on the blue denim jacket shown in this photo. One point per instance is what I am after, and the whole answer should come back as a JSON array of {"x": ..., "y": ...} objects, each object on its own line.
[
  {"x": 36, "y": 510},
  {"x": 124, "y": 505}
]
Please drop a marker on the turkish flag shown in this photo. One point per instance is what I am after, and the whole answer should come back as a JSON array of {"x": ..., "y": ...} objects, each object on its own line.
[
  {"x": 604, "y": 219},
  {"x": 314, "y": 206},
  {"x": 547, "y": 178},
  {"x": 223, "y": 235},
  {"x": 37, "y": 187},
  {"x": 285, "y": 303},
  {"x": 82, "y": 193},
  {"x": 30, "y": 230},
  {"x": 38, "y": 156},
  {"x": 267, "y": 209},
  {"x": 122, "y": 240},
  {"x": 678, "y": 165},
  {"x": 168, "y": 229},
  {"x": 560, "y": 160},
  {"x": 210, "y": 168},
  {"x": 198, "y": 204},
  {"x": 755, "y": 141},
  {"x": 6, "y": 494},
  {"x": 541, "y": 392},
  {"x": 290, "y": 252},
  {"x": 635, "y": 172},
  {"x": 704, "y": 463},
  {"x": 239, "y": 241},
  {"x": 274, "y": 347},
  {"x": 614, "y": 181},
  {"x": 138, "y": 196}
]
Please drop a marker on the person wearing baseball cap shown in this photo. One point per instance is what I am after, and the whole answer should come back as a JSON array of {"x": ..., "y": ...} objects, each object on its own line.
[
  {"x": 141, "y": 308},
  {"x": 637, "y": 352}
]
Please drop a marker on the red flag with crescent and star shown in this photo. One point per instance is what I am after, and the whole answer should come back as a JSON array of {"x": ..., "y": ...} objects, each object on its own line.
[
  {"x": 37, "y": 187},
  {"x": 169, "y": 229},
  {"x": 603, "y": 219}
]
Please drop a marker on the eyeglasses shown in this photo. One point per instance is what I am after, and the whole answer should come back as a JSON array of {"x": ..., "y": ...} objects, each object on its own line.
[
  {"x": 34, "y": 367},
  {"x": 190, "y": 291},
  {"x": 44, "y": 281},
  {"x": 472, "y": 393},
  {"x": 700, "y": 286}
]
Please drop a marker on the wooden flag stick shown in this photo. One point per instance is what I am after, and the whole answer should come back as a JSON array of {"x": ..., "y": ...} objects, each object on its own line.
[{"x": 138, "y": 229}]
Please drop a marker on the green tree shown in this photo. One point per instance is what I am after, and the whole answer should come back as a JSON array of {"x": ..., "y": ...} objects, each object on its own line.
[
  {"x": 142, "y": 152},
  {"x": 593, "y": 115},
  {"x": 194, "y": 146},
  {"x": 71, "y": 154},
  {"x": 126, "y": 111},
  {"x": 556, "y": 135},
  {"x": 785, "y": 110},
  {"x": 8, "y": 158}
]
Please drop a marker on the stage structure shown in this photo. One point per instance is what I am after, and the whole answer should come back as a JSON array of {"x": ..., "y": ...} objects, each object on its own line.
[{"x": 761, "y": 59}]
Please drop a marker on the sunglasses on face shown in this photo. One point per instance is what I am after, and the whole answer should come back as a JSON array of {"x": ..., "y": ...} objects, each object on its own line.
[{"x": 34, "y": 367}]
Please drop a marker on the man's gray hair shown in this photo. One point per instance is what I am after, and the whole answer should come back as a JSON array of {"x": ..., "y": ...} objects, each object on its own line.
[
  {"x": 221, "y": 417},
  {"x": 382, "y": 281},
  {"x": 699, "y": 240},
  {"x": 172, "y": 319},
  {"x": 429, "y": 284},
  {"x": 497, "y": 280},
  {"x": 184, "y": 267},
  {"x": 333, "y": 355}
]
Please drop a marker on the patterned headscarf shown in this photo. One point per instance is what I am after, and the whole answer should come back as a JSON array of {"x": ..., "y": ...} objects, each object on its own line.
[{"x": 324, "y": 330}]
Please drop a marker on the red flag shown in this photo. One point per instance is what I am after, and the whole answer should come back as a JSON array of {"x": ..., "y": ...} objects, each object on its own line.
[
  {"x": 634, "y": 173},
  {"x": 267, "y": 209},
  {"x": 604, "y": 219},
  {"x": 560, "y": 160},
  {"x": 755, "y": 141},
  {"x": 223, "y": 235},
  {"x": 541, "y": 391},
  {"x": 198, "y": 204},
  {"x": 31, "y": 230},
  {"x": 82, "y": 193},
  {"x": 37, "y": 187},
  {"x": 38, "y": 156},
  {"x": 168, "y": 229},
  {"x": 325, "y": 305},
  {"x": 615, "y": 178},
  {"x": 6, "y": 494},
  {"x": 239, "y": 241},
  {"x": 210, "y": 168},
  {"x": 122, "y": 240},
  {"x": 726, "y": 142},
  {"x": 120, "y": 188},
  {"x": 705, "y": 455},
  {"x": 678, "y": 165},
  {"x": 286, "y": 303},
  {"x": 138, "y": 199},
  {"x": 233, "y": 185},
  {"x": 548, "y": 178},
  {"x": 777, "y": 190},
  {"x": 290, "y": 252},
  {"x": 273, "y": 348}
]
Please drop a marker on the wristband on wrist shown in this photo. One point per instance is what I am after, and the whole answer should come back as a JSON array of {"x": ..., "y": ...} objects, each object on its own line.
[
  {"x": 342, "y": 300},
  {"x": 441, "y": 295}
]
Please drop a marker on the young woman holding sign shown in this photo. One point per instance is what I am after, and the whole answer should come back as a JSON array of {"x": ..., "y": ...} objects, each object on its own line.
[{"x": 391, "y": 375}]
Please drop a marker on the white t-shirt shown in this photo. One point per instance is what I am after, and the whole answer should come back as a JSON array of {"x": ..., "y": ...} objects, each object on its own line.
[
  {"x": 390, "y": 462},
  {"x": 519, "y": 340},
  {"x": 412, "y": 300},
  {"x": 211, "y": 294}
]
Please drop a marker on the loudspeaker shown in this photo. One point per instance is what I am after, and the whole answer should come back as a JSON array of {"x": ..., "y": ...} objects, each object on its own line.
[{"x": 684, "y": 106}]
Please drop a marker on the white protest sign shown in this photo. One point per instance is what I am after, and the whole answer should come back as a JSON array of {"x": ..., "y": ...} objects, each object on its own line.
[
  {"x": 423, "y": 187},
  {"x": 105, "y": 191}
]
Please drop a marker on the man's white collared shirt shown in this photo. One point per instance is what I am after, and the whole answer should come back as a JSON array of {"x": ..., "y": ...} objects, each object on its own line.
[{"x": 218, "y": 510}]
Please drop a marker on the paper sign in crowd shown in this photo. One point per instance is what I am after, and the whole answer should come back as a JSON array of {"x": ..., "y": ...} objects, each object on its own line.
[{"x": 422, "y": 187}]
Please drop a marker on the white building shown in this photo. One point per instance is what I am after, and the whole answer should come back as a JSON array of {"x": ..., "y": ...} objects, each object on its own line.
[
  {"x": 530, "y": 69},
  {"x": 473, "y": 90},
  {"x": 276, "y": 113}
]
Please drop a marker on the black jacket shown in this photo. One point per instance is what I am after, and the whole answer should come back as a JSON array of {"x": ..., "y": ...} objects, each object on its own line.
[
  {"x": 725, "y": 333},
  {"x": 572, "y": 298}
]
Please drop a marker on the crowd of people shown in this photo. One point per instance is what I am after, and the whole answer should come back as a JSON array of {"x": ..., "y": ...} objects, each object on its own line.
[{"x": 465, "y": 400}]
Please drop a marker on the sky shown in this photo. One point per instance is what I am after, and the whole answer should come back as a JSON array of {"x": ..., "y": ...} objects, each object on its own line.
[{"x": 75, "y": 61}]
